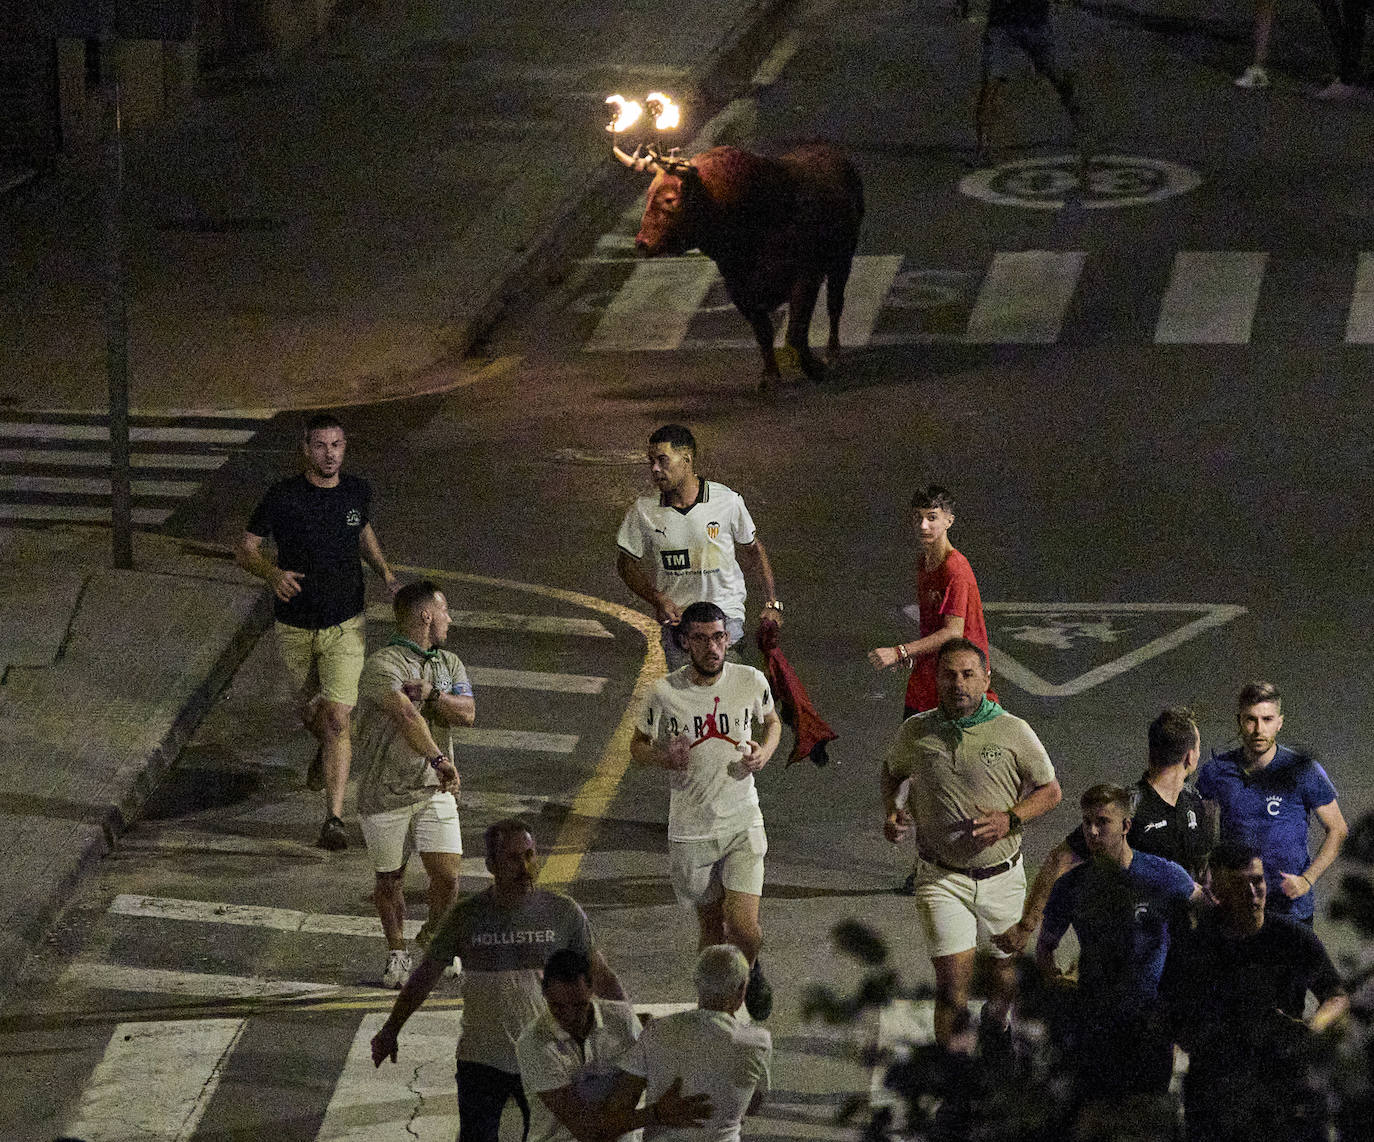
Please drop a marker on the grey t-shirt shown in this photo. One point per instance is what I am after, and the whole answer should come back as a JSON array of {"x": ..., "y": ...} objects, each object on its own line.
[
  {"x": 504, "y": 950},
  {"x": 391, "y": 775}
]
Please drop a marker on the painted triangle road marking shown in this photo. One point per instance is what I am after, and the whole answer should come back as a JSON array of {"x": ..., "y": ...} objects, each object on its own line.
[{"x": 1080, "y": 627}]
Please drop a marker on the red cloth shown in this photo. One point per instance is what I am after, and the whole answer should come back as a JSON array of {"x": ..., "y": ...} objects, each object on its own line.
[
  {"x": 950, "y": 589},
  {"x": 791, "y": 699}
]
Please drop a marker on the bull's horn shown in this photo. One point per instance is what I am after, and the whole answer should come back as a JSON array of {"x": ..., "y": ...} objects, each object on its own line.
[{"x": 636, "y": 161}]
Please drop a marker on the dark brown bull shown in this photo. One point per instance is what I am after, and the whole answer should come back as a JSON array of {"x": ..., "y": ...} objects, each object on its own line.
[{"x": 776, "y": 229}]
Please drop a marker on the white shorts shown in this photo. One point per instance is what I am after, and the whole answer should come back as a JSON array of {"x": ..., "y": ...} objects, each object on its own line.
[
  {"x": 701, "y": 870},
  {"x": 958, "y": 912},
  {"x": 426, "y": 827}
]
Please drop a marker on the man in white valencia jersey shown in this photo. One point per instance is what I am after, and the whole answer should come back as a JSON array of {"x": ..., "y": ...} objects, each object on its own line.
[
  {"x": 687, "y": 543},
  {"x": 712, "y": 725}
]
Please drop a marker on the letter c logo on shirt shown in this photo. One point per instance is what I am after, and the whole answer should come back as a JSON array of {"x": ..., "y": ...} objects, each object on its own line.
[{"x": 1272, "y": 804}]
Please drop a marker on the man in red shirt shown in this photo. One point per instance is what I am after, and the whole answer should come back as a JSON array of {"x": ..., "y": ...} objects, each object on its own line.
[{"x": 951, "y": 607}]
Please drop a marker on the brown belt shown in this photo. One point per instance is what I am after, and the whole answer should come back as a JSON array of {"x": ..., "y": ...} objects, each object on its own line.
[{"x": 976, "y": 873}]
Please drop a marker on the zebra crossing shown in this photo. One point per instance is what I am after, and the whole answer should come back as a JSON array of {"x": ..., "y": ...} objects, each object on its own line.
[
  {"x": 55, "y": 467},
  {"x": 1021, "y": 297}
]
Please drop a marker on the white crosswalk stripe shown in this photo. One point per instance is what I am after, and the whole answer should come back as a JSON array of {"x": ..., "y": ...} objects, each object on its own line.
[
  {"x": 160, "y": 1075},
  {"x": 55, "y": 466},
  {"x": 1022, "y": 297}
]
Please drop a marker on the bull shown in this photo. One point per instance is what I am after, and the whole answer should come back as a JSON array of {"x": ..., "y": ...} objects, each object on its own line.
[{"x": 776, "y": 228}]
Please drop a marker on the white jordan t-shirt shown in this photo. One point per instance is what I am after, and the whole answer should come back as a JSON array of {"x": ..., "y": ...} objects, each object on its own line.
[{"x": 715, "y": 795}]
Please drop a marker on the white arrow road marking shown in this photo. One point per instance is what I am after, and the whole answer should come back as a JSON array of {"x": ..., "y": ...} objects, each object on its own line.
[
  {"x": 157, "y": 1075},
  {"x": 655, "y": 305},
  {"x": 1209, "y": 615}
]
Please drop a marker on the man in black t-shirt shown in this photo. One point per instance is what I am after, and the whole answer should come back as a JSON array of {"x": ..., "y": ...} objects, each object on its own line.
[
  {"x": 1235, "y": 991},
  {"x": 1168, "y": 819},
  {"x": 320, "y": 523},
  {"x": 1020, "y": 27}
]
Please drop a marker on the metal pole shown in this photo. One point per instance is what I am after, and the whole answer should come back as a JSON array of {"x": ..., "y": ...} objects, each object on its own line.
[{"x": 116, "y": 307}]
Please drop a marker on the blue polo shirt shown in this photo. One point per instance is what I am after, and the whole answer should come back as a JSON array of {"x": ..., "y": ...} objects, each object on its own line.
[
  {"x": 1121, "y": 917},
  {"x": 1268, "y": 811}
]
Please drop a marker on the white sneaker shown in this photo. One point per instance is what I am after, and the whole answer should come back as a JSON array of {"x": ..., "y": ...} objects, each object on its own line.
[
  {"x": 1253, "y": 76},
  {"x": 453, "y": 969},
  {"x": 397, "y": 968},
  {"x": 1337, "y": 90}
]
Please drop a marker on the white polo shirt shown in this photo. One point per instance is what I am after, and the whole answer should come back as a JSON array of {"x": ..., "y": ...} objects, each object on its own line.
[
  {"x": 551, "y": 1059},
  {"x": 692, "y": 549},
  {"x": 715, "y": 1054}
]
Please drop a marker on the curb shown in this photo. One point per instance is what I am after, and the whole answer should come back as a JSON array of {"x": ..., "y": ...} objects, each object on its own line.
[
  {"x": 110, "y": 821},
  {"x": 743, "y": 47}
]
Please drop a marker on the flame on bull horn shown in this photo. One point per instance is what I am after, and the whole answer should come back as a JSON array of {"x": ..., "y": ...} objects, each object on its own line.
[
  {"x": 625, "y": 113},
  {"x": 667, "y": 114}
]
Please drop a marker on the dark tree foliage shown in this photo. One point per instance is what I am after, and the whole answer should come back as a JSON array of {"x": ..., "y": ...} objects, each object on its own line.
[{"x": 1016, "y": 1088}]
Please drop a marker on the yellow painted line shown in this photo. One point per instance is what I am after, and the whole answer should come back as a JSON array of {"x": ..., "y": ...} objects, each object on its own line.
[{"x": 564, "y": 859}]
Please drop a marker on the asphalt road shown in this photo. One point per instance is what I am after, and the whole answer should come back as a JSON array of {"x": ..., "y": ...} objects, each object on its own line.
[{"x": 1160, "y": 497}]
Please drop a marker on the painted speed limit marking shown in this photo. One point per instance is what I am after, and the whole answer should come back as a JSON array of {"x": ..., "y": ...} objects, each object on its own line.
[{"x": 1048, "y": 183}]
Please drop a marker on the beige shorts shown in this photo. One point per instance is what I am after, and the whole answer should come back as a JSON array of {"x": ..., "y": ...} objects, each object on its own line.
[
  {"x": 429, "y": 826},
  {"x": 327, "y": 662},
  {"x": 958, "y": 912},
  {"x": 701, "y": 870}
]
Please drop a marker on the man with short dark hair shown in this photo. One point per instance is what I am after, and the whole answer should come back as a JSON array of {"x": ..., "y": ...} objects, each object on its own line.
[
  {"x": 712, "y": 725},
  {"x": 1169, "y": 819},
  {"x": 965, "y": 777},
  {"x": 687, "y": 543},
  {"x": 503, "y": 936},
  {"x": 568, "y": 1060},
  {"x": 1120, "y": 905},
  {"x": 1264, "y": 794},
  {"x": 320, "y": 522},
  {"x": 412, "y": 693},
  {"x": 1236, "y": 991}
]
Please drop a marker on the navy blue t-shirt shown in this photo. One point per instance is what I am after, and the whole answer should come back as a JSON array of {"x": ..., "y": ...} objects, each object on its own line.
[
  {"x": 1268, "y": 810},
  {"x": 317, "y": 532},
  {"x": 1121, "y": 917}
]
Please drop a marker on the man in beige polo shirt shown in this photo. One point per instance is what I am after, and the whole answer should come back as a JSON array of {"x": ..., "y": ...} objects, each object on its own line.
[{"x": 965, "y": 777}]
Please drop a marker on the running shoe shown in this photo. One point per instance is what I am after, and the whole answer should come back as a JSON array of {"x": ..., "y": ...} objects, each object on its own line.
[
  {"x": 1253, "y": 76},
  {"x": 333, "y": 836},
  {"x": 397, "y": 968}
]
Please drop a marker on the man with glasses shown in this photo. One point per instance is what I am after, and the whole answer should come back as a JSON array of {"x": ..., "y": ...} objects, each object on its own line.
[{"x": 712, "y": 725}]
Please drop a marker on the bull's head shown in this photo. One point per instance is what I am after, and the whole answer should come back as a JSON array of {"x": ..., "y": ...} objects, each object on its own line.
[
  {"x": 668, "y": 225},
  {"x": 664, "y": 229}
]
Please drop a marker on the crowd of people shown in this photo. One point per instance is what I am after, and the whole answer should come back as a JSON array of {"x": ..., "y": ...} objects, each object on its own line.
[{"x": 1190, "y": 893}]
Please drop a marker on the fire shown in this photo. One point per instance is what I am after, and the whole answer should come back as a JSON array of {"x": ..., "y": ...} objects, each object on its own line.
[
  {"x": 667, "y": 115},
  {"x": 625, "y": 113}
]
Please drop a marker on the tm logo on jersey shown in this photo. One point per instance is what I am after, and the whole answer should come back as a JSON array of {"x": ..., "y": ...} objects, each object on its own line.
[{"x": 676, "y": 560}]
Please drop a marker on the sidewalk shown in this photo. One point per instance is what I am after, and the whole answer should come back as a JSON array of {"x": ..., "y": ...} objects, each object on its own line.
[
  {"x": 343, "y": 229},
  {"x": 103, "y": 676}
]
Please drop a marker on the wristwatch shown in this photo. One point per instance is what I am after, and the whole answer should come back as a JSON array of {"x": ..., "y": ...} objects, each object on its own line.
[
  {"x": 773, "y": 604},
  {"x": 437, "y": 760},
  {"x": 1013, "y": 821}
]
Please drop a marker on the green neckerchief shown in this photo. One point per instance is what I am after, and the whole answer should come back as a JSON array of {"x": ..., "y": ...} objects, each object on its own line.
[
  {"x": 985, "y": 713},
  {"x": 427, "y": 655}
]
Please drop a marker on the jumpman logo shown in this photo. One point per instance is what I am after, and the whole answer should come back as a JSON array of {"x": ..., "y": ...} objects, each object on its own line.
[{"x": 712, "y": 729}]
